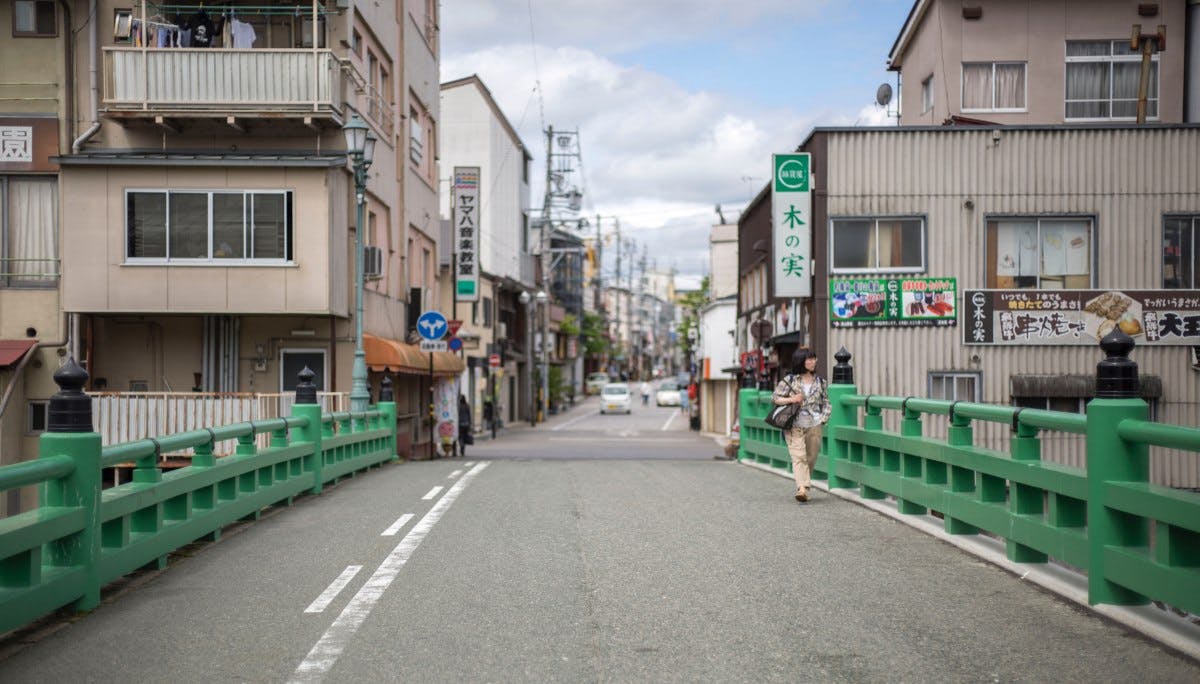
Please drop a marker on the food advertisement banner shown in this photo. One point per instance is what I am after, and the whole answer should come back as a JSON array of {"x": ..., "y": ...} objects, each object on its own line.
[
  {"x": 892, "y": 302},
  {"x": 1062, "y": 317}
]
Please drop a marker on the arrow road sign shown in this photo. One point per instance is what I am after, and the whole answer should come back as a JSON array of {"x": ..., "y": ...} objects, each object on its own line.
[{"x": 431, "y": 325}]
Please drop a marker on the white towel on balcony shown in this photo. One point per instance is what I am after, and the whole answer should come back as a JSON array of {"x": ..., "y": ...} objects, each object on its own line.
[{"x": 243, "y": 35}]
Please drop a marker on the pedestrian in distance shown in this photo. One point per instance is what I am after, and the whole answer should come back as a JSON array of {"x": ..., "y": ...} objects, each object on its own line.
[
  {"x": 804, "y": 387},
  {"x": 683, "y": 400},
  {"x": 645, "y": 393},
  {"x": 465, "y": 426},
  {"x": 489, "y": 416}
]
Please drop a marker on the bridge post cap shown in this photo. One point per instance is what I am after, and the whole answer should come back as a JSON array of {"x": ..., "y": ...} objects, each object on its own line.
[
  {"x": 306, "y": 391},
  {"x": 843, "y": 372},
  {"x": 1117, "y": 374},
  {"x": 70, "y": 409},
  {"x": 385, "y": 386}
]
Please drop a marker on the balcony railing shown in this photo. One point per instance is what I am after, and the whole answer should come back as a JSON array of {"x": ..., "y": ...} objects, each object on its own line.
[
  {"x": 17, "y": 272},
  {"x": 184, "y": 81}
]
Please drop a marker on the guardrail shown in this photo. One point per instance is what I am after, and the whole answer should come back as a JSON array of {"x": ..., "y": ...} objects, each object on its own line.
[
  {"x": 81, "y": 538},
  {"x": 1137, "y": 542}
]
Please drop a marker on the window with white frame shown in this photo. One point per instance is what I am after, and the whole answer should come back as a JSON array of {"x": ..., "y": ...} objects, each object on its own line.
[
  {"x": 1039, "y": 253},
  {"x": 877, "y": 245},
  {"x": 34, "y": 18},
  {"x": 218, "y": 226},
  {"x": 955, "y": 386},
  {"x": 416, "y": 137},
  {"x": 927, "y": 94},
  {"x": 1181, "y": 252},
  {"x": 993, "y": 86},
  {"x": 1102, "y": 80},
  {"x": 29, "y": 235}
]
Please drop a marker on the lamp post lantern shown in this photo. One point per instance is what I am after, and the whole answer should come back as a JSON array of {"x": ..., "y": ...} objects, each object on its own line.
[{"x": 360, "y": 148}]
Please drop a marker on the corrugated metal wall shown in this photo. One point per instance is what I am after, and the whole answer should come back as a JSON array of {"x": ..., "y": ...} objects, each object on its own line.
[{"x": 1125, "y": 179}]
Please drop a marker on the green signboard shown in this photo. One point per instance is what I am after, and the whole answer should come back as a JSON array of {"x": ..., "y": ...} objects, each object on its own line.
[{"x": 893, "y": 302}]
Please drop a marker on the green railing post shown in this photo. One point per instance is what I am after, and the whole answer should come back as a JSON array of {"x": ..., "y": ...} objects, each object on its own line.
[
  {"x": 306, "y": 406},
  {"x": 387, "y": 406},
  {"x": 840, "y": 416},
  {"x": 1025, "y": 499},
  {"x": 747, "y": 434},
  {"x": 69, "y": 433},
  {"x": 1112, "y": 459},
  {"x": 962, "y": 480}
]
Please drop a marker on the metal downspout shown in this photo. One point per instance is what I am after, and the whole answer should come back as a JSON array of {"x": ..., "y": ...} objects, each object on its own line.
[
  {"x": 92, "y": 86},
  {"x": 8, "y": 391}
]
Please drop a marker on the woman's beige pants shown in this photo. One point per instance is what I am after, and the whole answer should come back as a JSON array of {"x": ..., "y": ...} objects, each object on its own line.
[{"x": 804, "y": 444}]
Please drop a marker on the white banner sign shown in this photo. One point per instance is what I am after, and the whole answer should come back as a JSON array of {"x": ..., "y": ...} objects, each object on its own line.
[
  {"x": 791, "y": 232},
  {"x": 466, "y": 233}
]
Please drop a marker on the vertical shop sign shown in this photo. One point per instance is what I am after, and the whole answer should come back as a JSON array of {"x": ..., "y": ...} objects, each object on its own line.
[
  {"x": 466, "y": 233},
  {"x": 791, "y": 232}
]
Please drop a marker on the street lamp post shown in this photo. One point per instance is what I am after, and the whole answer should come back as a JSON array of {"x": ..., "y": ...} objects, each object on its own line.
[
  {"x": 527, "y": 301},
  {"x": 360, "y": 147},
  {"x": 543, "y": 300}
]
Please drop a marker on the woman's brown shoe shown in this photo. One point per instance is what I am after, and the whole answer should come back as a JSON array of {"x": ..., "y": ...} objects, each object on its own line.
[{"x": 802, "y": 495}]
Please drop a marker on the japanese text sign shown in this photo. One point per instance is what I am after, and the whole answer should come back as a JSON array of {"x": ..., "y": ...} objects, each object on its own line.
[
  {"x": 893, "y": 302},
  {"x": 791, "y": 232},
  {"x": 1064, "y": 317},
  {"x": 466, "y": 233}
]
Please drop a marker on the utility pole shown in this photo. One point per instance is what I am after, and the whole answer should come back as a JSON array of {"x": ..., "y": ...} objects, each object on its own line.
[{"x": 617, "y": 289}]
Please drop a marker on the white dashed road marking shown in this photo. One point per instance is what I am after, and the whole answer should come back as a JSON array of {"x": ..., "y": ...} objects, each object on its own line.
[
  {"x": 400, "y": 522},
  {"x": 432, "y": 493},
  {"x": 333, "y": 589},
  {"x": 321, "y": 659},
  {"x": 455, "y": 474}
]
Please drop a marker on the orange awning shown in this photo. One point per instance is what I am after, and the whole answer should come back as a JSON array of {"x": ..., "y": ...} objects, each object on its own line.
[
  {"x": 399, "y": 357},
  {"x": 11, "y": 351}
]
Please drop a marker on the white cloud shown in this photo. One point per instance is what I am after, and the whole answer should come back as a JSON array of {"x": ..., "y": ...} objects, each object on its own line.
[{"x": 611, "y": 26}]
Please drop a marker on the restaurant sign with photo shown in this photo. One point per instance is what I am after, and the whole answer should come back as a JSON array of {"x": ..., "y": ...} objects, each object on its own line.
[
  {"x": 1065, "y": 317},
  {"x": 893, "y": 302}
]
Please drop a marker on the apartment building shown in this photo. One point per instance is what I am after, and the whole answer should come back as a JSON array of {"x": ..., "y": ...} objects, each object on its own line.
[
  {"x": 34, "y": 104},
  {"x": 982, "y": 260},
  {"x": 191, "y": 163}
]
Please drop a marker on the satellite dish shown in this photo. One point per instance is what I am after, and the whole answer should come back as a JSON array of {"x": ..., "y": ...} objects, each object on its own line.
[{"x": 883, "y": 96}]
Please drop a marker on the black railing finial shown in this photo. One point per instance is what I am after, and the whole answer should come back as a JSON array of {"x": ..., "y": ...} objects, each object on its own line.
[
  {"x": 306, "y": 391},
  {"x": 70, "y": 409},
  {"x": 843, "y": 372},
  {"x": 1117, "y": 374}
]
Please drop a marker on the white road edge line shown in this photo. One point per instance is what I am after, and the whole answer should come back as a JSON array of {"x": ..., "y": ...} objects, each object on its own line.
[
  {"x": 574, "y": 420},
  {"x": 668, "y": 423},
  {"x": 432, "y": 493},
  {"x": 454, "y": 474},
  {"x": 320, "y": 660},
  {"x": 333, "y": 589},
  {"x": 400, "y": 522}
]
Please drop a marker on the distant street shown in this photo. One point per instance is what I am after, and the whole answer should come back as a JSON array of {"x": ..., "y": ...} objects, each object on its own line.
[{"x": 591, "y": 549}]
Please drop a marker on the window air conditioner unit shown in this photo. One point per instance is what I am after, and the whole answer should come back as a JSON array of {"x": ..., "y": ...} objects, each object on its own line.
[{"x": 372, "y": 263}]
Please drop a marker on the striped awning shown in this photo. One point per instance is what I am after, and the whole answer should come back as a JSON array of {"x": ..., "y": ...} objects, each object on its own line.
[{"x": 398, "y": 357}]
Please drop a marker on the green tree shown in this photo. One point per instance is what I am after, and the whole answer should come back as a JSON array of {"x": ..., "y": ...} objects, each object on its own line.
[
  {"x": 595, "y": 343},
  {"x": 691, "y": 304}
]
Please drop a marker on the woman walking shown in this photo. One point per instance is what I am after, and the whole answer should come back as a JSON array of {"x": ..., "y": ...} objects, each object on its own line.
[{"x": 804, "y": 387}]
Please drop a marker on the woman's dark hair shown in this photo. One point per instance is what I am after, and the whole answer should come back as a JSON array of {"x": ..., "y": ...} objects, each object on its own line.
[{"x": 799, "y": 357}]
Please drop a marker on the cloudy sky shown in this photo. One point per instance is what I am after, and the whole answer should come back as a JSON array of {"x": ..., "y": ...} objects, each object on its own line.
[{"x": 678, "y": 103}]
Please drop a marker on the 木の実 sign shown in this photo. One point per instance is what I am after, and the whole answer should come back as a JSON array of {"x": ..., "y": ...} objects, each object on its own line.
[{"x": 791, "y": 232}]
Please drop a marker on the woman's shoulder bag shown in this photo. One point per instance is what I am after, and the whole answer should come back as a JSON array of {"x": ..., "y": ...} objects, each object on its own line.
[{"x": 782, "y": 416}]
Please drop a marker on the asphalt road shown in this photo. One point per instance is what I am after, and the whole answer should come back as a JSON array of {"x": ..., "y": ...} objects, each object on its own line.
[{"x": 592, "y": 549}]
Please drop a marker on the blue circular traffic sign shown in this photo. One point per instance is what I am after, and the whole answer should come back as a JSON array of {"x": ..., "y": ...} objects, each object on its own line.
[
  {"x": 455, "y": 344},
  {"x": 431, "y": 325}
]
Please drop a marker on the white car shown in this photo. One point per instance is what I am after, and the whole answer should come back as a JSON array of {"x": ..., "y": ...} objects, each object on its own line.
[
  {"x": 667, "y": 394},
  {"x": 615, "y": 397},
  {"x": 596, "y": 382}
]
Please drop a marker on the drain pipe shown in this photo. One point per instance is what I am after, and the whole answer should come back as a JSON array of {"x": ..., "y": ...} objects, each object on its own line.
[
  {"x": 77, "y": 146},
  {"x": 16, "y": 376}
]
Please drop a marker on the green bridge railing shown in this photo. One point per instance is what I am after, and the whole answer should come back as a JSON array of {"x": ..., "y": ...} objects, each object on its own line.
[
  {"x": 82, "y": 537},
  {"x": 1136, "y": 541}
]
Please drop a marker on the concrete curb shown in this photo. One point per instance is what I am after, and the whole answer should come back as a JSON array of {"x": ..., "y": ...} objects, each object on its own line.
[{"x": 1166, "y": 628}]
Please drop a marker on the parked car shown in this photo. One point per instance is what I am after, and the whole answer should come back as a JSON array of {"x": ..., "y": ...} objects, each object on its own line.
[
  {"x": 616, "y": 397},
  {"x": 596, "y": 382},
  {"x": 667, "y": 394}
]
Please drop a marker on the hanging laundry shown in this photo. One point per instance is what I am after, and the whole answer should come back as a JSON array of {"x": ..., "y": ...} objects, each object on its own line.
[
  {"x": 243, "y": 35},
  {"x": 203, "y": 30},
  {"x": 162, "y": 37}
]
